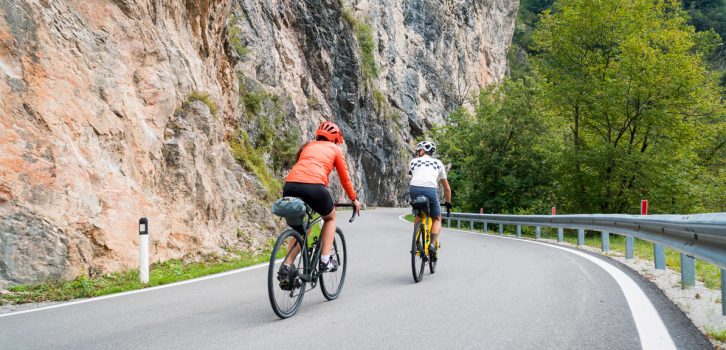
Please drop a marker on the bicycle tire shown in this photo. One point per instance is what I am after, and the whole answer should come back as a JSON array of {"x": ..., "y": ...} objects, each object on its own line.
[
  {"x": 285, "y": 303},
  {"x": 331, "y": 283},
  {"x": 417, "y": 253}
]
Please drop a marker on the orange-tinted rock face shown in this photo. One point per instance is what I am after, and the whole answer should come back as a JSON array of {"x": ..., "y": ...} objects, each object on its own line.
[{"x": 92, "y": 136}]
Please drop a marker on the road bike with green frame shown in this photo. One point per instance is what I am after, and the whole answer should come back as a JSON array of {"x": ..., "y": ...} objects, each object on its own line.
[
  {"x": 420, "y": 255},
  {"x": 287, "y": 288}
]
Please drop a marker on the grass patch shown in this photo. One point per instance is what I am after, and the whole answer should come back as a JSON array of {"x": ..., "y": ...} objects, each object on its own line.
[
  {"x": 160, "y": 273},
  {"x": 364, "y": 34},
  {"x": 264, "y": 143},
  {"x": 379, "y": 99},
  {"x": 202, "y": 97},
  {"x": 234, "y": 36},
  {"x": 253, "y": 160},
  {"x": 717, "y": 335},
  {"x": 253, "y": 100},
  {"x": 409, "y": 217}
]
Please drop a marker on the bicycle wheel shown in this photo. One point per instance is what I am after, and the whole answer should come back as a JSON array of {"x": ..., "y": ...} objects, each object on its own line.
[
  {"x": 285, "y": 288},
  {"x": 417, "y": 253},
  {"x": 331, "y": 283},
  {"x": 432, "y": 265}
]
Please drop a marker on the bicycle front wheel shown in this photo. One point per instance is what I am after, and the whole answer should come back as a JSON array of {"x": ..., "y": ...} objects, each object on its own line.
[
  {"x": 432, "y": 265},
  {"x": 331, "y": 282},
  {"x": 417, "y": 252},
  {"x": 284, "y": 285}
]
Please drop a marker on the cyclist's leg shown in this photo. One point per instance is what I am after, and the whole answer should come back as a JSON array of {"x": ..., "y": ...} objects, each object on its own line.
[
  {"x": 412, "y": 194},
  {"x": 292, "y": 190},
  {"x": 435, "y": 210},
  {"x": 328, "y": 234},
  {"x": 435, "y": 228},
  {"x": 318, "y": 198},
  {"x": 294, "y": 250}
]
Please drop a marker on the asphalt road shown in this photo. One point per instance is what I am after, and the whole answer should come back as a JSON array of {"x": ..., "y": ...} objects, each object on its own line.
[{"x": 488, "y": 293}]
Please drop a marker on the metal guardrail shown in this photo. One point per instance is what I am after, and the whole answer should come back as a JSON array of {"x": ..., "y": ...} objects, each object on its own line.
[{"x": 702, "y": 236}]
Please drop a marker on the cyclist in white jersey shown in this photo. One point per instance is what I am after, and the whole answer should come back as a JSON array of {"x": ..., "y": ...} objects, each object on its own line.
[{"x": 426, "y": 173}]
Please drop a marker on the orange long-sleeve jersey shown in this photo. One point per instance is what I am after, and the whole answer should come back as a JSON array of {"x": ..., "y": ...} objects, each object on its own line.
[{"x": 316, "y": 161}]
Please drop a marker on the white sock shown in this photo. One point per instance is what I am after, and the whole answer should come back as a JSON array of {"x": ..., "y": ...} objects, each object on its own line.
[{"x": 325, "y": 258}]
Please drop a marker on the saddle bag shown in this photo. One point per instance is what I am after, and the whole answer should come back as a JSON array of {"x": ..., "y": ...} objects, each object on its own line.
[
  {"x": 420, "y": 203},
  {"x": 292, "y": 209}
]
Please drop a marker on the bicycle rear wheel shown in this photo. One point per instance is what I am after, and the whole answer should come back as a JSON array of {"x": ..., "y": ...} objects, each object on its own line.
[
  {"x": 331, "y": 283},
  {"x": 417, "y": 252},
  {"x": 285, "y": 287},
  {"x": 432, "y": 265}
]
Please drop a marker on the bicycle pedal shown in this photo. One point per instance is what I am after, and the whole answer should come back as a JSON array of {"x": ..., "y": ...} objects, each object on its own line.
[{"x": 284, "y": 285}]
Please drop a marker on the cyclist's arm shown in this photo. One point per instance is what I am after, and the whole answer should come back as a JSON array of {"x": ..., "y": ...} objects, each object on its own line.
[
  {"x": 447, "y": 190},
  {"x": 342, "y": 169},
  {"x": 445, "y": 182}
]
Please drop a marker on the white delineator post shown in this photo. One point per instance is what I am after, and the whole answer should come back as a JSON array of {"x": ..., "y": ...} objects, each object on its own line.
[{"x": 144, "y": 250}]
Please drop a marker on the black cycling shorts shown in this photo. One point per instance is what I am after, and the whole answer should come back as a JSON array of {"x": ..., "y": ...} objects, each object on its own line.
[{"x": 314, "y": 195}]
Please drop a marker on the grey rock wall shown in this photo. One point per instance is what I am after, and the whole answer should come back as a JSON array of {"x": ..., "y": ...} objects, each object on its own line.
[{"x": 430, "y": 55}]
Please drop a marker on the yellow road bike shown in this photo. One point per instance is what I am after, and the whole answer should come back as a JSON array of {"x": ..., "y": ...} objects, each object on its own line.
[{"x": 420, "y": 255}]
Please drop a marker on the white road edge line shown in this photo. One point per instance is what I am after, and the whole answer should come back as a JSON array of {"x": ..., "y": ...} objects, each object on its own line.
[
  {"x": 651, "y": 329},
  {"x": 109, "y": 296}
]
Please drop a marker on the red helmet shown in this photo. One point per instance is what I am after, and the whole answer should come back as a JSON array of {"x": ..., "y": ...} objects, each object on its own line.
[{"x": 330, "y": 131}]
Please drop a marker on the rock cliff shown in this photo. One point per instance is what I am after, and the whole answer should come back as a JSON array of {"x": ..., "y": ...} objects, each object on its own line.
[{"x": 186, "y": 112}]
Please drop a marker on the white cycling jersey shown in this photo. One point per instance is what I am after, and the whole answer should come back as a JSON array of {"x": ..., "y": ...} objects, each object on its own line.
[{"x": 426, "y": 171}]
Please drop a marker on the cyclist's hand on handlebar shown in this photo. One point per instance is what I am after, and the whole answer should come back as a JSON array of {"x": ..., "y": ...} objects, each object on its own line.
[{"x": 356, "y": 207}]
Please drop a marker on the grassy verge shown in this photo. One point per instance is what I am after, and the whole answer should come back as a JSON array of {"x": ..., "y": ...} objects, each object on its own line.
[
  {"x": 718, "y": 335},
  {"x": 160, "y": 273},
  {"x": 707, "y": 273}
]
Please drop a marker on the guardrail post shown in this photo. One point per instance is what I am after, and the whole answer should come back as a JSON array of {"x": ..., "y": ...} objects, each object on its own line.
[
  {"x": 723, "y": 292},
  {"x": 484, "y": 228},
  {"x": 580, "y": 236},
  {"x": 629, "y": 247},
  {"x": 144, "y": 250},
  {"x": 471, "y": 225},
  {"x": 659, "y": 256},
  {"x": 448, "y": 222},
  {"x": 519, "y": 231},
  {"x": 537, "y": 233},
  {"x": 501, "y": 229},
  {"x": 605, "y": 241},
  {"x": 560, "y": 234},
  {"x": 688, "y": 270},
  {"x": 458, "y": 223}
]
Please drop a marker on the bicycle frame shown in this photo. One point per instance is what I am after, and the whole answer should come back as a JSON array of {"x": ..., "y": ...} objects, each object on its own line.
[
  {"x": 312, "y": 254},
  {"x": 427, "y": 222}
]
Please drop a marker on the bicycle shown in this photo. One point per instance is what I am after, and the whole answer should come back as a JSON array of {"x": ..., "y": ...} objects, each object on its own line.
[
  {"x": 422, "y": 238},
  {"x": 286, "y": 288}
]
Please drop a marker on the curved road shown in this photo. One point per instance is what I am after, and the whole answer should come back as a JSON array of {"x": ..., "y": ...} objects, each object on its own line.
[{"x": 489, "y": 292}]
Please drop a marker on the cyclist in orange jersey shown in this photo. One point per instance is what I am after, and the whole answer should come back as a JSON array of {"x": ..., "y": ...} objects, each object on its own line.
[{"x": 308, "y": 180}]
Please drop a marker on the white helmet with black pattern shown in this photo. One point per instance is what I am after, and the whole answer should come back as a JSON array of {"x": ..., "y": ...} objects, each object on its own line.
[{"x": 428, "y": 147}]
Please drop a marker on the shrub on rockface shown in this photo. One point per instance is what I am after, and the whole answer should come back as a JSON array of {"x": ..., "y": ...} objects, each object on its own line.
[{"x": 265, "y": 143}]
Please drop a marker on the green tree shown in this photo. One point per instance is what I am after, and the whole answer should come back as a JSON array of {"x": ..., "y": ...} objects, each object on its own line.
[
  {"x": 498, "y": 160},
  {"x": 628, "y": 79}
]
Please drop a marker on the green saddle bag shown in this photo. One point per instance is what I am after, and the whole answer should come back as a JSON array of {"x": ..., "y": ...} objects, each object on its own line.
[{"x": 292, "y": 209}]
